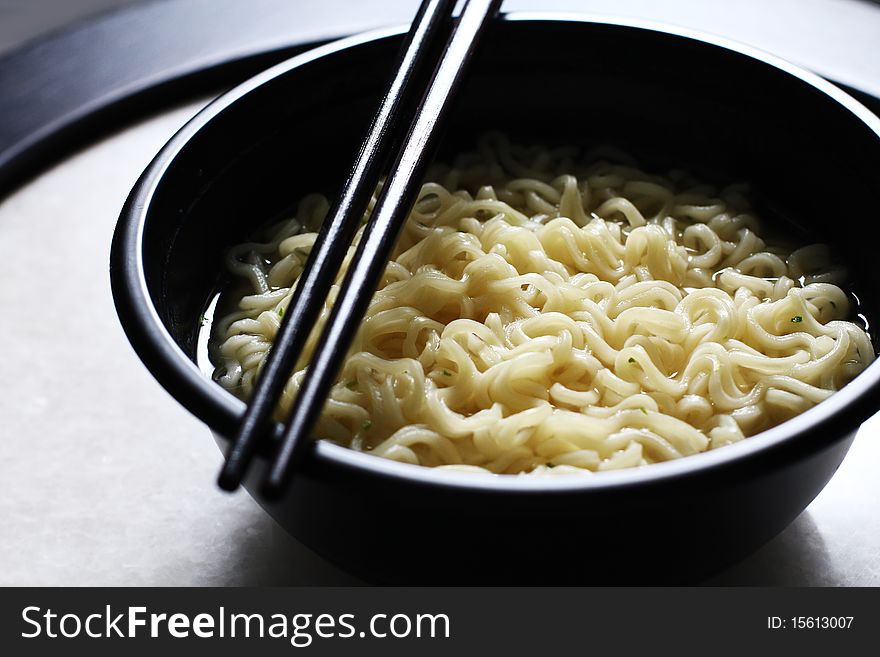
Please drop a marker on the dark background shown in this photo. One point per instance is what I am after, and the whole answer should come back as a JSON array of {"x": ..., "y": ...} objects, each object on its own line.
[{"x": 23, "y": 19}]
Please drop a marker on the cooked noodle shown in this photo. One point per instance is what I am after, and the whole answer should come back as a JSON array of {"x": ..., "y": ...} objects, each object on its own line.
[{"x": 538, "y": 313}]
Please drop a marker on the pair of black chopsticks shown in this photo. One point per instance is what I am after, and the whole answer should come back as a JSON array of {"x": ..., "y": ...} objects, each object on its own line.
[{"x": 429, "y": 29}]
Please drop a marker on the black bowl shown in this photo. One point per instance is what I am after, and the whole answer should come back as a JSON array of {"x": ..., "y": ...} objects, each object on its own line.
[{"x": 672, "y": 98}]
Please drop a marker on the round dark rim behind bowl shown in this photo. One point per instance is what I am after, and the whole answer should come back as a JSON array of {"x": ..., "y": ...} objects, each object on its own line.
[{"x": 841, "y": 412}]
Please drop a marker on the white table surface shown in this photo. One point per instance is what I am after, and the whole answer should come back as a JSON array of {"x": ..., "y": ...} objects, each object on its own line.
[{"x": 108, "y": 481}]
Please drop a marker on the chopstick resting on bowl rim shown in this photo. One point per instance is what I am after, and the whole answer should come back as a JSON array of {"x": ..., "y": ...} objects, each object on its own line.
[
  {"x": 430, "y": 25},
  {"x": 379, "y": 236}
]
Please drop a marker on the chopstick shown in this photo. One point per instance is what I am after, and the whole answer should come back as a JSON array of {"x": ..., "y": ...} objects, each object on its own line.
[
  {"x": 430, "y": 25},
  {"x": 378, "y": 238}
]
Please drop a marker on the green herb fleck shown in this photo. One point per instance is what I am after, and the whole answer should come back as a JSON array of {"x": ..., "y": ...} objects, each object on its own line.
[
  {"x": 643, "y": 411},
  {"x": 281, "y": 311},
  {"x": 797, "y": 319},
  {"x": 203, "y": 320},
  {"x": 366, "y": 425},
  {"x": 632, "y": 360},
  {"x": 447, "y": 373},
  {"x": 548, "y": 464}
]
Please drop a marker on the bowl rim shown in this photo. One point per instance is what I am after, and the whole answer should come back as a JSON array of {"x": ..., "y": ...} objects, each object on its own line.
[{"x": 827, "y": 422}]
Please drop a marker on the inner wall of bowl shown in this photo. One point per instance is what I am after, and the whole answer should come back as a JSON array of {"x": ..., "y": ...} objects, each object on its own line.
[{"x": 671, "y": 101}]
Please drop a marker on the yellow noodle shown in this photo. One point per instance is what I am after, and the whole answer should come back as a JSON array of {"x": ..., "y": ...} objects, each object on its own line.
[{"x": 547, "y": 317}]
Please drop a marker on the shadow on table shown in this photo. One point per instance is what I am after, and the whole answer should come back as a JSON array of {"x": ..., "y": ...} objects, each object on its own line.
[
  {"x": 797, "y": 557},
  {"x": 264, "y": 554}
]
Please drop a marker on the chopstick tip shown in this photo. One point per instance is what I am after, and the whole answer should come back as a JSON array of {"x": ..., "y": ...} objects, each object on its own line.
[
  {"x": 229, "y": 478},
  {"x": 273, "y": 487}
]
